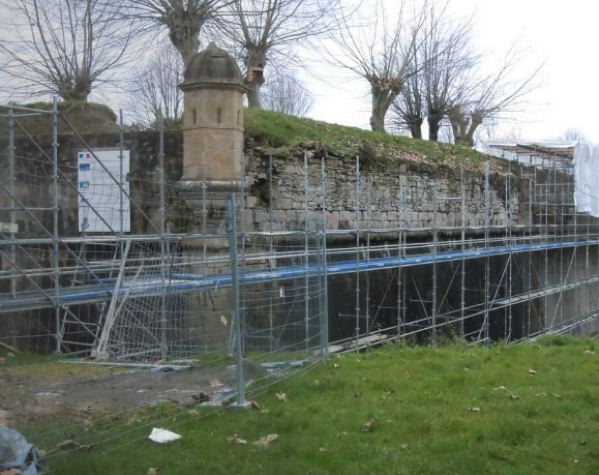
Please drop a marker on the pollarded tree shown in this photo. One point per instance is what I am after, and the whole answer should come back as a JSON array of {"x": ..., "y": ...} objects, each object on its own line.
[
  {"x": 447, "y": 58},
  {"x": 491, "y": 97},
  {"x": 63, "y": 47},
  {"x": 442, "y": 63},
  {"x": 262, "y": 30},
  {"x": 380, "y": 50},
  {"x": 182, "y": 19},
  {"x": 408, "y": 110}
]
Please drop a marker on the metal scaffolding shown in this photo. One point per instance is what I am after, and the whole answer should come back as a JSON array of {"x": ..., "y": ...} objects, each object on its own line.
[{"x": 165, "y": 288}]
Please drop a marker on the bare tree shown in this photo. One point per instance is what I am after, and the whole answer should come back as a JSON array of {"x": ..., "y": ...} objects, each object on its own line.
[
  {"x": 441, "y": 62},
  {"x": 379, "y": 50},
  {"x": 285, "y": 93},
  {"x": 491, "y": 97},
  {"x": 264, "y": 29},
  {"x": 408, "y": 110},
  {"x": 64, "y": 47},
  {"x": 446, "y": 59},
  {"x": 182, "y": 19},
  {"x": 155, "y": 92}
]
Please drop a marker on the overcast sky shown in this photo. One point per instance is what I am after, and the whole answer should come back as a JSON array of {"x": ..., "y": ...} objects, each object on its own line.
[{"x": 561, "y": 34}]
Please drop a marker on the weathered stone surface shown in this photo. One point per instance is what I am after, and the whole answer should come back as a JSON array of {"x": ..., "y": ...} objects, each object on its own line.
[
  {"x": 408, "y": 194},
  {"x": 399, "y": 194}
]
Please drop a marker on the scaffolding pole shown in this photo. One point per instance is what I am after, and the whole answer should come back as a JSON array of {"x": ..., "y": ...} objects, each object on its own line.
[
  {"x": 55, "y": 224},
  {"x": 487, "y": 199}
]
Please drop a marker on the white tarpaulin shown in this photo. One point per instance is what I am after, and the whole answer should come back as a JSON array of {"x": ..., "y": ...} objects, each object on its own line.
[{"x": 586, "y": 179}]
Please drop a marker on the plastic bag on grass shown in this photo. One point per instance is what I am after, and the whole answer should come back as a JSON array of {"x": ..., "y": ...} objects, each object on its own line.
[{"x": 17, "y": 453}]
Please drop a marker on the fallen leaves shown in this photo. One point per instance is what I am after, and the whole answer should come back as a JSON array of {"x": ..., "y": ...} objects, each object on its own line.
[
  {"x": 261, "y": 442},
  {"x": 10, "y": 471},
  {"x": 368, "y": 426},
  {"x": 281, "y": 397},
  {"x": 200, "y": 397},
  {"x": 266, "y": 440},
  {"x": 236, "y": 440},
  {"x": 72, "y": 444}
]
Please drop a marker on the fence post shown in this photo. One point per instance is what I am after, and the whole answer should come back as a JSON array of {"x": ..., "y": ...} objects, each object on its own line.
[
  {"x": 324, "y": 311},
  {"x": 236, "y": 320},
  {"x": 164, "y": 242},
  {"x": 12, "y": 220}
]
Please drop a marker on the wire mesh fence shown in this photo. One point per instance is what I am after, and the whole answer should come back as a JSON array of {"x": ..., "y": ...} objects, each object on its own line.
[{"x": 108, "y": 261}]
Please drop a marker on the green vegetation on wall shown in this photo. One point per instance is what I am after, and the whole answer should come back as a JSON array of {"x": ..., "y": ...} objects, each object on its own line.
[{"x": 280, "y": 130}]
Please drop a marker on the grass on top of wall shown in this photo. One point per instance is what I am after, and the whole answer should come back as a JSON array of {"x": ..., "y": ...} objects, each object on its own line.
[
  {"x": 281, "y": 130},
  {"x": 526, "y": 408}
]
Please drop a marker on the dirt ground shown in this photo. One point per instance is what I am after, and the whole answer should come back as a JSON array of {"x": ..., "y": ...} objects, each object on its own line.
[{"x": 38, "y": 392}]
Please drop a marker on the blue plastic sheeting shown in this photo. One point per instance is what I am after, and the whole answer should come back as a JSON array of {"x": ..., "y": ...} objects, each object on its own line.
[
  {"x": 181, "y": 283},
  {"x": 18, "y": 454}
]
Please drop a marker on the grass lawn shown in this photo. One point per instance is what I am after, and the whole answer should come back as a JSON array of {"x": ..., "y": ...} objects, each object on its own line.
[{"x": 521, "y": 409}]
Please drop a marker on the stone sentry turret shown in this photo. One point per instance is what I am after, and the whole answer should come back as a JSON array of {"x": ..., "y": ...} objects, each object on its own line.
[{"x": 213, "y": 90}]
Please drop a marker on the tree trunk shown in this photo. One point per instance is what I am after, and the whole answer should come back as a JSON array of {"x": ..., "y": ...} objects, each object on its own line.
[
  {"x": 476, "y": 119},
  {"x": 465, "y": 135},
  {"x": 186, "y": 41},
  {"x": 463, "y": 140},
  {"x": 380, "y": 105},
  {"x": 464, "y": 126},
  {"x": 434, "y": 123},
  {"x": 416, "y": 129},
  {"x": 459, "y": 126},
  {"x": 254, "y": 97},
  {"x": 255, "y": 62},
  {"x": 188, "y": 51},
  {"x": 77, "y": 89},
  {"x": 377, "y": 121}
]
